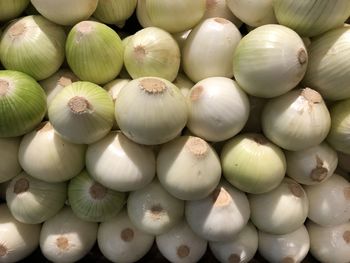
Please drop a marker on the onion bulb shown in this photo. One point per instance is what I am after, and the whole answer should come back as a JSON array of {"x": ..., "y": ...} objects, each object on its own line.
[
  {"x": 33, "y": 45},
  {"x": 269, "y": 61},
  {"x": 218, "y": 109},
  {"x": 252, "y": 163},
  {"x": 151, "y": 110},
  {"x": 32, "y": 201},
  {"x": 220, "y": 8},
  {"x": 296, "y": 120},
  {"x": 17, "y": 240},
  {"x": 65, "y": 12},
  {"x": 152, "y": 52},
  {"x": 114, "y": 11},
  {"x": 10, "y": 166},
  {"x": 82, "y": 113},
  {"x": 22, "y": 103},
  {"x": 142, "y": 15},
  {"x": 10, "y": 9}
]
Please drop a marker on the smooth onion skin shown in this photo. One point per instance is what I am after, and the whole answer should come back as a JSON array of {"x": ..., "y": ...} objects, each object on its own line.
[
  {"x": 310, "y": 18},
  {"x": 10, "y": 9},
  {"x": 114, "y": 11},
  {"x": 296, "y": 120},
  {"x": 10, "y": 166},
  {"x": 269, "y": 61}
]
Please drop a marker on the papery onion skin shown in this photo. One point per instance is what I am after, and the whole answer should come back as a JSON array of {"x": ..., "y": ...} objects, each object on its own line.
[
  {"x": 10, "y": 9},
  {"x": 114, "y": 11},
  {"x": 10, "y": 166}
]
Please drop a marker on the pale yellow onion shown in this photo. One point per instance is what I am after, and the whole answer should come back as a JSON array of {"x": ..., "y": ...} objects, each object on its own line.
[
  {"x": 114, "y": 11},
  {"x": 10, "y": 166},
  {"x": 65, "y": 12},
  {"x": 219, "y": 8},
  {"x": 296, "y": 120},
  {"x": 183, "y": 83},
  {"x": 209, "y": 48},
  {"x": 10, "y": 9}
]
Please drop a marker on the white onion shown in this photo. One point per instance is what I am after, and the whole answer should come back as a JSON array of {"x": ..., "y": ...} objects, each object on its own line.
[
  {"x": 218, "y": 109},
  {"x": 291, "y": 247},
  {"x": 312, "y": 165},
  {"x": 241, "y": 248},
  {"x": 209, "y": 48},
  {"x": 119, "y": 163},
  {"x": 10, "y": 166},
  {"x": 220, "y": 8},
  {"x": 114, "y": 11},
  {"x": 280, "y": 211},
  {"x": 120, "y": 241},
  {"x": 296, "y": 120},
  {"x": 10, "y": 9}
]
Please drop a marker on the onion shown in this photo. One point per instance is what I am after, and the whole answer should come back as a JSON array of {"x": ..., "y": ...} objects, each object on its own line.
[
  {"x": 142, "y": 15},
  {"x": 65, "y": 12},
  {"x": 339, "y": 134},
  {"x": 344, "y": 161},
  {"x": 17, "y": 240},
  {"x": 280, "y": 211},
  {"x": 219, "y": 216},
  {"x": 10, "y": 9},
  {"x": 175, "y": 16},
  {"x": 22, "y": 103},
  {"x": 46, "y": 156},
  {"x": 66, "y": 238},
  {"x": 119, "y": 163},
  {"x": 32, "y": 201},
  {"x": 309, "y": 17},
  {"x": 328, "y": 69},
  {"x": 329, "y": 202},
  {"x": 218, "y": 109},
  {"x": 120, "y": 241},
  {"x": 330, "y": 244},
  {"x": 253, "y": 13},
  {"x": 183, "y": 83},
  {"x": 209, "y": 48},
  {"x": 10, "y": 166},
  {"x": 252, "y": 163},
  {"x": 152, "y": 52},
  {"x": 220, "y": 8},
  {"x": 312, "y": 165},
  {"x": 181, "y": 244},
  {"x": 296, "y": 120},
  {"x": 241, "y": 248},
  {"x": 151, "y": 110},
  {"x": 253, "y": 124},
  {"x": 82, "y": 113},
  {"x": 153, "y": 210},
  {"x": 91, "y": 201},
  {"x": 33, "y": 45},
  {"x": 114, "y": 11},
  {"x": 291, "y": 247},
  {"x": 269, "y": 61},
  {"x": 94, "y": 52}
]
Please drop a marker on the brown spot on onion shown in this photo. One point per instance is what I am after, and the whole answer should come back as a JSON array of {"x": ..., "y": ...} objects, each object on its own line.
[
  {"x": 127, "y": 235},
  {"x": 183, "y": 251},
  {"x": 21, "y": 186}
]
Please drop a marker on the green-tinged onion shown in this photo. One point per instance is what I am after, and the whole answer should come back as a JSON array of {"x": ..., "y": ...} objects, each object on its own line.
[
  {"x": 153, "y": 210},
  {"x": 311, "y": 18},
  {"x": 330, "y": 244},
  {"x": 65, "y": 12},
  {"x": 209, "y": 48},
  {"x": 120, "y": 240},
  {"x": 92, "y": 201},
  {"x": 33, "y": 45},
  {"x": 280, "y": 211},
  {"x": 10, "y": 166},
  {"x": 181, "y": 37},
  {"x": 17, "y": 240},
  {"x": 269, "y": 61},
  {"x": 296, "y": 120},
  {"x": 344, "y": 161},
  {"x": 241, "y": 248},
  {"x": 291, "y": 247},
  {"x": 114, "y": 11},
  {"x": 329, "y": 67},
  {"x": 188, "y": 168},
  {"x": 67, "y": 238},
  {"x": 218, "y": 109},
  {"x": 219, "y": 216},
  {"x": 22, "y": 103},
  {"x": 119, "y": 163},
  {"x": 141, "y": 14},
  {"x": 253, "y": 13},
  {"x": 94, "y": 52},
  {"x": 151, "y": 110},
  {"x": 10, "y": 9},
  {"x": 180, "y": 244},
  {"x": 152, "y": 52},
  {"x": 253, "y": 123},
  {"x": 32, "y": 201},
  {"x": 312, "y": 165},
  {"x": 339, "y": 134},
  {"x": 220, "y": 8},
  {"x": 329, "y": 201},
  {"x": 46, "y": 156},
  {"x": 82, "y": 112},
  {"x": 175, "y": 16},
  {"x": 183, "y": 83},
  {"x": 252, "y": 163}
]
